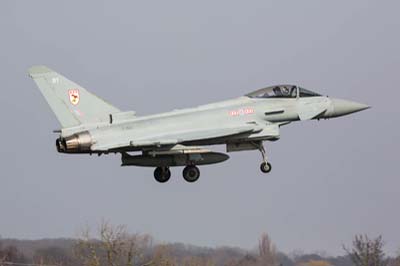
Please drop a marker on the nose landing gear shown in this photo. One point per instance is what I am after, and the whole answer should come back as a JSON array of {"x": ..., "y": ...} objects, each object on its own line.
[{"x": 265, "y": 166}]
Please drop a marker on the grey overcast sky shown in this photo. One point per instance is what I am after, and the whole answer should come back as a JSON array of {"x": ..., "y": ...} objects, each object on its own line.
[{"x": 331, "y": 179}]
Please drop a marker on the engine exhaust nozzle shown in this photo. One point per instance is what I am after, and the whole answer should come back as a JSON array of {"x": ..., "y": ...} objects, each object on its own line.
[{"x": 76, "y": 143}]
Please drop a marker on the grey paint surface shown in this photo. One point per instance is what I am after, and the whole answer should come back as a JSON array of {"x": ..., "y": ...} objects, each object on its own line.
[{"x": 155, "y": 57}]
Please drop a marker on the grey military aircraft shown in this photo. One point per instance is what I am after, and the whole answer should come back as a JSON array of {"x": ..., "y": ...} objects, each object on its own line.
[{"x": 89, "y": 125}]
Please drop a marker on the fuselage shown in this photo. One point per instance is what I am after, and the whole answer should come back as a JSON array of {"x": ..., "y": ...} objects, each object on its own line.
[
  {"x": 267, "y": 114},
  {"x": 240, "y": 111}
]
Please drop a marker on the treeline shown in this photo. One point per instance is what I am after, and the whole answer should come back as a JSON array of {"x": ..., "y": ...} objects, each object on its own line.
[{"x": 113, "y": 246}]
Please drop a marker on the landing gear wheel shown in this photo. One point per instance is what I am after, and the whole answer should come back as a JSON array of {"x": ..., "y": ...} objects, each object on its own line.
[
  {"x": 162, "y": 174},
  {"x": 265, "y": 167},
  {"x": 191, "y": 173}
]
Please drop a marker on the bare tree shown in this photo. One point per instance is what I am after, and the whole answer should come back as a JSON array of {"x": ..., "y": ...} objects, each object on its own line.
[
  {"x": 113, "y": 247},
  {"x": 396, "y": 261},
  {"x": 367, "y": 252},
  {"x": 267, "y": 251},
  {"x": 161, "y": 256}
]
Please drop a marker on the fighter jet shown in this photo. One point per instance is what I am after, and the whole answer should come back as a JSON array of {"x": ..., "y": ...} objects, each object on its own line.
[{"x": 90, "y": 125}]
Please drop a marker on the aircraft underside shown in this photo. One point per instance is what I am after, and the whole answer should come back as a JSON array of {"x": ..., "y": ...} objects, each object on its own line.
[
  {"x": 190, "y": 157},
  {"x": 189, "y": 154}
]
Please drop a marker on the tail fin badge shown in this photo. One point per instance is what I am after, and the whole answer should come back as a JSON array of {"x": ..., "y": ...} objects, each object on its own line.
[{"x": 74, "y": 96}]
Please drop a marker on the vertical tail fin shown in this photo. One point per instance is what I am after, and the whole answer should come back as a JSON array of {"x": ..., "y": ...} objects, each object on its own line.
[{"x": 72, "y": 104}]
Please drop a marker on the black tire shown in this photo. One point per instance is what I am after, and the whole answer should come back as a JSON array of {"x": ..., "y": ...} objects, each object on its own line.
[
  {"x": 162, "y": 174},
  {"x": 265, "y": 167},
  {"x": 191, "y": 173}
]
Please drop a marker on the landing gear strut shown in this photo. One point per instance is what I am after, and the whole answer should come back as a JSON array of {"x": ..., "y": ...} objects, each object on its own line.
[
  {"x": 265, "y": 166},
  {"x": 191, "y": 173},
  {"x": 162, "y": 174}
]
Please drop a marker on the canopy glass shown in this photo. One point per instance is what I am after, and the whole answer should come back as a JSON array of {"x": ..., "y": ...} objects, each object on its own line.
[{"x": 281, "y": 91}]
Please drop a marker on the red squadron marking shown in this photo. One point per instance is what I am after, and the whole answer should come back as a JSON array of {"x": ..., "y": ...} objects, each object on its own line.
[
  {"x": 242, "y": 111},
  {"x": 74, "y": 96}
]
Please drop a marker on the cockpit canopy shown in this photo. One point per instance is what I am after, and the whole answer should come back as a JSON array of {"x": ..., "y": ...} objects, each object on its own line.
[{"x": 281, "y": 91}]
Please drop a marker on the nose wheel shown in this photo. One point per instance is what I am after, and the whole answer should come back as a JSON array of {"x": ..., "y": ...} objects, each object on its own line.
[
  {"x": 191, "y": 173},
  {"x": 162, "y": 174},
  {"x": 265, "y": 166}
]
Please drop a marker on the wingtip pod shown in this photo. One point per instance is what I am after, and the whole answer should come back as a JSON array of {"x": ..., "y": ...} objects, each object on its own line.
[{"x": 38, "y": 70}]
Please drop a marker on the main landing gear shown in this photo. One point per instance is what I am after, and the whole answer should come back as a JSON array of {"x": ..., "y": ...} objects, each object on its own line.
[
  {"x": 162, "y": 174},
  {"x": 191, "y": 173},
  {"x": 265, "y": 166}
]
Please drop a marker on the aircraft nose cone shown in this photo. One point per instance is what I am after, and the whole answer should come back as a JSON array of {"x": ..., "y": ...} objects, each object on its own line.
[{"x": 344, "y": 107}]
